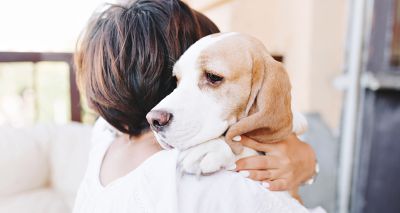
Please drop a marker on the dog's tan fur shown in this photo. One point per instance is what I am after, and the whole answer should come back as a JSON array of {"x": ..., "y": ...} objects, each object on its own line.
[
  {"x": 265, "y": 115},
  {"x": 269, "y": 117},
  {"x": 251, "y": 96},
  {"x": 237, "y": 77}
]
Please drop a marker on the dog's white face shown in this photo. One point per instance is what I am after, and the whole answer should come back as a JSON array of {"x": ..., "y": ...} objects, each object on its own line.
[
  {"x": 214, "y": 84},
  {"x": 224, "y": 81}
]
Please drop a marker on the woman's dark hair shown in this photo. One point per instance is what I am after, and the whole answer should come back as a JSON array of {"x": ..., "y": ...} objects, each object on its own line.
[{"x": 125, "y": 57}]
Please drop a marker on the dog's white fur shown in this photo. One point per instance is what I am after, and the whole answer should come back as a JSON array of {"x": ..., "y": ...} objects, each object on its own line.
[{"x": 198, "y": 121}]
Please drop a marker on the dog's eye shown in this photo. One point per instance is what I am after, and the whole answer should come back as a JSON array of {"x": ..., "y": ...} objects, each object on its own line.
[{"x": 212, "y": 78}]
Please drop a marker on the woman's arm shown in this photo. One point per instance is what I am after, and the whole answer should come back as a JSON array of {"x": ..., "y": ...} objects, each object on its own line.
[{"x": 286, "y": 166}]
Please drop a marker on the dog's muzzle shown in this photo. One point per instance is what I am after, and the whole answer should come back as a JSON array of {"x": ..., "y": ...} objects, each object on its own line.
[{"x": 158, "y": 119}]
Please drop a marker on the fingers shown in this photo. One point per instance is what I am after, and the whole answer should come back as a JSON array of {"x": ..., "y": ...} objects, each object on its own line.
[
  {"x": 278, "y": 185},
  {"x": 260, "y": 162},
  {"x": 261, "y": 175},
  {"x": 276, "y": 169},
  {"x": 262, "y": 147},
  {"x": 236, "y": 147},
  {"x": 268, "y": 179}
]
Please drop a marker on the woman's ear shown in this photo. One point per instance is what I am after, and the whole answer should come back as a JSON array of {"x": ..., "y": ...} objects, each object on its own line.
[{"x": 268, "y": 116}]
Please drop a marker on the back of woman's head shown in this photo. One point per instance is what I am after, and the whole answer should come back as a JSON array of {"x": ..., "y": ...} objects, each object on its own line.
[{"x": 125, "y": 57}]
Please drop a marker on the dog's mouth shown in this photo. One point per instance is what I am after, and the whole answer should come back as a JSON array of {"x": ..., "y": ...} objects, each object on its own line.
[
  {"x": 164, "y": 144},
  {"x": 182, "y": 138},
  {"x": 224, "y": 134}
]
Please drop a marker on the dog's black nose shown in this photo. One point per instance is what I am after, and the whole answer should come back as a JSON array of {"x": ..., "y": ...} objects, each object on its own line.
[{"x": 158, "y": 119}]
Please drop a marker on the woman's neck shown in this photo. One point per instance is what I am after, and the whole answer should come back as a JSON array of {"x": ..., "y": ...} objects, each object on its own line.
[
  {"x": 146, "y": 137},
  {"x": 125, "y": 154}
]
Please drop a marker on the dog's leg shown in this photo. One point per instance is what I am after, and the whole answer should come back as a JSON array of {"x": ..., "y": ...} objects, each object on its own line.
[{"x": 207, "y": 157}]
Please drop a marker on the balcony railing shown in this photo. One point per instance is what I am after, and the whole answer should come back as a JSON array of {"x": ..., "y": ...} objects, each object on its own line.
[{"x": 35, "y": 57}]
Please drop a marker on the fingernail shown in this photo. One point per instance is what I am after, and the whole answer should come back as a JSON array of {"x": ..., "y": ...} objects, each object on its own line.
[
  {"x": 237, "y": 138},
  {"x": 231, "y": 167},
  {"x": 265, "y": 184},
  {"x": 244, "y": 173}
]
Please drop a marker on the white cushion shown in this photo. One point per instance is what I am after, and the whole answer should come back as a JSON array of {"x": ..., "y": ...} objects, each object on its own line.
[
  {"x": 37, "y": 201},
  {"x": 24, "y": 163},
  {"x": 41, "y": 167},
  {"x": 69, "y": 152}
]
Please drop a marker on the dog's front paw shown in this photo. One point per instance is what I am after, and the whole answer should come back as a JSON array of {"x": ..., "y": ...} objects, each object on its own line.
[
  {"x": 214, "y": 161},
  {"x": 207, "y": 157}
]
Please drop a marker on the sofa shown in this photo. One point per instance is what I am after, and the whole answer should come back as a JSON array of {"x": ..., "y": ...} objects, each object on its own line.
[{"x": 41, "y": 167}]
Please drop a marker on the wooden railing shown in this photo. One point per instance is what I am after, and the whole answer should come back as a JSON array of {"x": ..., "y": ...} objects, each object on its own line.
[{"x": 35, "y": 57}]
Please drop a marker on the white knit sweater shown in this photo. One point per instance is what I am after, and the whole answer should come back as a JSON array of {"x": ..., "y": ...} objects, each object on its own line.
[{"x": 156, "y": 187}]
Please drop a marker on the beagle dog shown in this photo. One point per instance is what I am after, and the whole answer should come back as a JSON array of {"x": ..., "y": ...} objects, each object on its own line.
[{"x": 228, "y": 85}]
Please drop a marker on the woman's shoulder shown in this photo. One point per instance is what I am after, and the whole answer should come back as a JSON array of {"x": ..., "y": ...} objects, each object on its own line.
[
  {"x": 101, "y": 131},
  {"x": 101, "y": 138},
  {"x": 103, "y": 134},
  {"x": 227, "y": 191},
  {"x": 224, "y": 191}
]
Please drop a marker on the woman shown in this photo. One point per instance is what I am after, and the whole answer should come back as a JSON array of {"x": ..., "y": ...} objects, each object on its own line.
[{"x": 124, "y": 63}]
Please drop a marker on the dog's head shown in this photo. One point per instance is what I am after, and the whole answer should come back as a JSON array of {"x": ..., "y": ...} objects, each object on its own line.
[{"x": 225, "y": 82}]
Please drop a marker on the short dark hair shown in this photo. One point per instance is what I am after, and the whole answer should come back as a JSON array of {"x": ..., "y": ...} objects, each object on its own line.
[{"x": 125, "y": 56}]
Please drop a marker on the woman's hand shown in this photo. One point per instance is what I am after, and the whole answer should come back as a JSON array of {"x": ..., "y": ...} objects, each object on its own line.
[{"x": 286, "y": 165}]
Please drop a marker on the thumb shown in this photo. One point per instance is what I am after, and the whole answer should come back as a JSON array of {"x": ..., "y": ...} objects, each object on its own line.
[
  {"x": 253, "y": 144},
  {"x": 236, "y": 147}
]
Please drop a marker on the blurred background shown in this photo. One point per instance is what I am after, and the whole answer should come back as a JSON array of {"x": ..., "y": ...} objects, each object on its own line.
[{"x": 343, "y": 57}]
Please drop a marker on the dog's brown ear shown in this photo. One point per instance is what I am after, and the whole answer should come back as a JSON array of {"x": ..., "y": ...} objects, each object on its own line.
[{"x": 268, "y": 116}]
